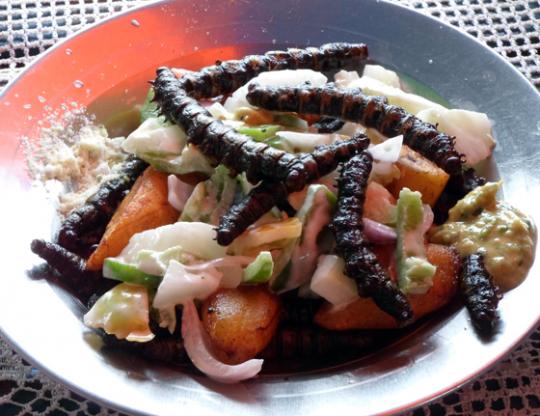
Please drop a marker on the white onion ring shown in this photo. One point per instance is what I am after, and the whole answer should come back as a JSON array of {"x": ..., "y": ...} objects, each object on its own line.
[
  {"x": 378, "y": 233},
  {"x": 178, "y": 192},
  {"x": 428, "y": 219},
  {"x": 198, "y": 350},
  {"x": 226, "y": 261},
  {"x": 387, "y": 151}
]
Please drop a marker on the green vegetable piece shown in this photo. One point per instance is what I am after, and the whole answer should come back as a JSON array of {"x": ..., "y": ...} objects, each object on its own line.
[
  {"x": 123, "y": 123},
  {"x": 277, "y": 143},
  {"x": 128, "y": 273},
  {"x": 309, "y": 202},
  {"x": 196, "y": 208},
  {"x": 415, "y": 273},
  {"x": 260, "y": 133},
  {"x": 212, "y": 198},
  {"x": 259, "y": 270},
  {"x": 191, "y": 160},
  {"x": 149, "y": 108},
  {"x": 123, "y": 312},
  {"x": 156, "y": 262},
  {"x": 410, "y": 212},
  {"x": 292, "y": 121}
]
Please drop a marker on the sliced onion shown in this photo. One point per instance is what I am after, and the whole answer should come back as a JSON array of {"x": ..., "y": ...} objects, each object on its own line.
[
  {"x": 227, "y": 261},
  {"x": 473, "y": 131},
  {"x": 197, "y": 347},
  {"x": 217, "y": 110},
  {"x": 350, "y": 129},
  {"x": 180, "y": 284},
  {"x": 412, "y": 103},
  {"x": 306, "y": 142},
  {"x": 330, "y": 282},
  {"x": 344, "y": 78},
  {"x": 428, "y": 219},
  {"x": 378, "y": 233},
  {"x": 304, "y": 257},
  {"x": 382, "y": 74},
  {"x": 232, "y": 268},
  {"x": 178, "y": 192},
  {"x": 387, "y": 151}
]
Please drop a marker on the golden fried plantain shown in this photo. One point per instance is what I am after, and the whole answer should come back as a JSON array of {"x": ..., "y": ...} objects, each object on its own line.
[
  {"x": 419, "y": 174},
  {"x": 145, "y": 207},
  {"x": 240, "y": 322},
  {"x": 364, "y": 314}
]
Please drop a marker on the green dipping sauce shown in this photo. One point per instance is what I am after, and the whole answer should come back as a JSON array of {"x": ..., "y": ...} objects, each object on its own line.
[{"x": 505, "y": 235}]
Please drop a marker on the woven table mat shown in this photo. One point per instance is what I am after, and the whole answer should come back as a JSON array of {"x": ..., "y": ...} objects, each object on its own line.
[{"x": 512, "y": 28}]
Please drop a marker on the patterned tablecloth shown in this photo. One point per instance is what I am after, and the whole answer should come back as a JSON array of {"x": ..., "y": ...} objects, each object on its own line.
[{"x": 512, "y": 28}]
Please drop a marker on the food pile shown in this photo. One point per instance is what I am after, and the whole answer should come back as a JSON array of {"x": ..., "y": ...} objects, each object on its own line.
[{"x": 264, "y": 211}]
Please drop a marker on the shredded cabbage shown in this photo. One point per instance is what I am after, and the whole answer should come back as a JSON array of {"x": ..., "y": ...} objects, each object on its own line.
[
  {"x": 123, "y": 312},
  {"x": 179, "y": 285},
  {"x": 155, "y": 138},
  {"x": 211, "y": 199},
  {"x": 472, "y": 131},
  {"x": 196, "y": 238}
]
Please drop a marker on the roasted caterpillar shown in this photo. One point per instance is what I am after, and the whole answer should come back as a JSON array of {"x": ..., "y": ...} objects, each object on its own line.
[
  {"x": 167, "y": 349},
  {"x": 361, "y": 264},
  {"x": 297, "y": 311},
  {"x": 290, "y": 342},
  {"x": 85, "y": 226},
  {"x": 480, "y": 294},
  {"x": 310, "y": 341},
  {"x": 453, "y": 192},
  {"x": 352, "y": 105},
  {"x": 226, "y": 77},
  {"x": 240, "y": 216},
  {"x": 177, "y": 100},
  {"x": 223, "y": 145},
  {"x": 71, "y": 270},
  {"x": 328, "y": 124},
  {"x": 306, "y": 168}
]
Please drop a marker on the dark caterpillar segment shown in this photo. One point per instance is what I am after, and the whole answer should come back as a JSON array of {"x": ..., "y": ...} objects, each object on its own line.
[
  {"x": 298, "y": 311},
  {"x": 361, "y": 264},
  {"x": 84, "y": 226},
  {"x": 310, "y": 341},
  {"x": 353, "y": 105},
  {"x": 240, "y": 216},
  {"x": 468, "y": 180},
  {"x": 328, "y": 124},
  {"x": 481, "y": 295},
  {"x": 289, "y": 342},
  {"x": 323, "y": 160},
  {"x": 223, "y": 145},
  {"x": 58, "y": 257},
  {"x": 166, "y": 349},
  {"x": 456, "y": 187},
  {"x": 304, "y": 169},
  {"x": 226, "y": 77},
  {"x": 220, "y": 143},
  {"x": 71, "y": 270}
]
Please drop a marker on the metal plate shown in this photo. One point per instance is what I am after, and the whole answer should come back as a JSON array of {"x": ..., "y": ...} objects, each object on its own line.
[{"x": 114, "y": 59}]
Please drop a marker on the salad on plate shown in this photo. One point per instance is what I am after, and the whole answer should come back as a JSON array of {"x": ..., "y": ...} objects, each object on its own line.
[{"x": 297, "y": 202}]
